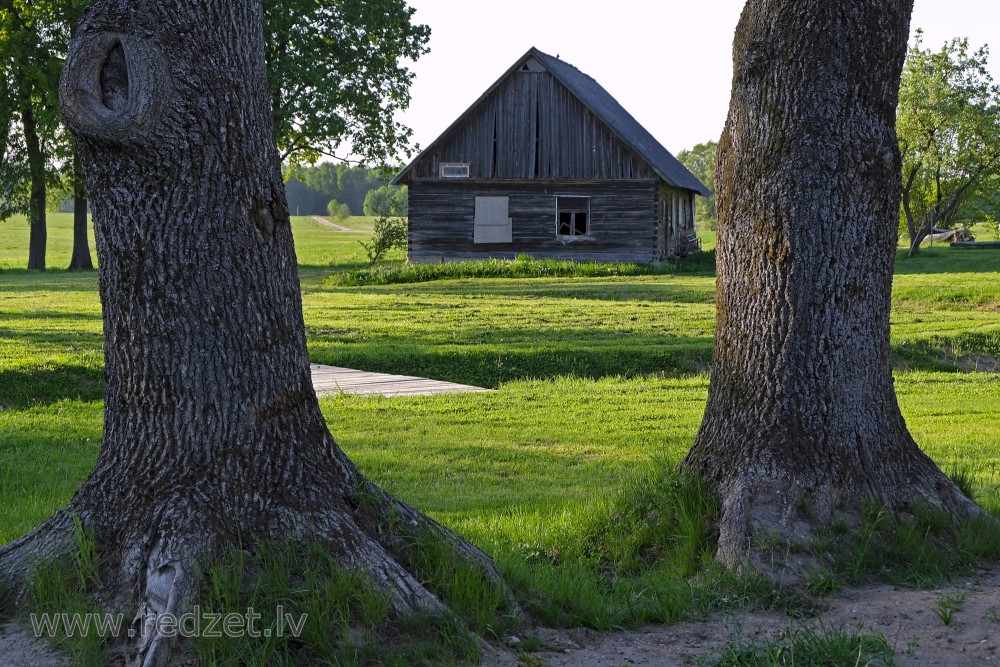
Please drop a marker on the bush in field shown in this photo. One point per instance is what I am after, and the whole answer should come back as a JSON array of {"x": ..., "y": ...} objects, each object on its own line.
[
  {"x": 338, "y": 210},
  {"x": 389, "y": 230}
]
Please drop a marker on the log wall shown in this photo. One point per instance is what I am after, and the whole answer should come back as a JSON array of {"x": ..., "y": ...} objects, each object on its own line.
[{"x": 623, "y": 220}]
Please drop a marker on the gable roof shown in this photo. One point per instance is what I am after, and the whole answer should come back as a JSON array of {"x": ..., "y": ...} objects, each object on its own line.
[{"x": 605, "y": 107}]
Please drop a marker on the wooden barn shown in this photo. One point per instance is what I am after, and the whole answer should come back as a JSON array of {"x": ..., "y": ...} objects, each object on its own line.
[{"x": 547, "y": 163}]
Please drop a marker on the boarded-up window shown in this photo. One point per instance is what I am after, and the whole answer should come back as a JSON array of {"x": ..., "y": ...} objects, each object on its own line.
[
  {"x": 493, "y": 224},
  {"x": 572, "y": 216}
]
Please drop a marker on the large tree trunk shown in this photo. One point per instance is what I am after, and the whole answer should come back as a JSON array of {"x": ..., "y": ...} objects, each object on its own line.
[
  {"x": 80, "y": 260},
  {"x": 801, "y": 409},
  {"x": 212, "y": 430},
  {"x": 36, "y": 201}
]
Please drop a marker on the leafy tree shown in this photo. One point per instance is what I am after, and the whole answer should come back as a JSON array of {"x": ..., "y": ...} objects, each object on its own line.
[
  {"x": 387, "y": 198},
  {"x": 802, "y": 428},
  {"x": 337, "y": 76},
  {"x": 338, "y": 210},
  {"x": 355, "y": 183},
  {"x": 948, "y": 124},
  {"x": 311, "y": 188},
  {"x": 33, "y": 38},
  {"x": 700, "y": 161},
  {"x": 13, "y": 158},
  {"x": 213, "y": 437}
]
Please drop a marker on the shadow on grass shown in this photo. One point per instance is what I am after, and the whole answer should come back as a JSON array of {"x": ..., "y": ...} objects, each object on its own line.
[
  {"x": 38, "y": 314},
  {"x": 597, "y": 289},
  {"x": 950, "y": 354},
  {"x": 23, "y": 389},
  {"x": 491, "y": 366},
  {"x": 948, "y": 260}
]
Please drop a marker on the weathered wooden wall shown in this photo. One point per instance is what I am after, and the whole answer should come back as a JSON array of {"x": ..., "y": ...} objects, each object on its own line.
[
  {"x": 676, "y": 218},
  {"x": 532, "y": 127},
  {"x": 623, "y": 220}
]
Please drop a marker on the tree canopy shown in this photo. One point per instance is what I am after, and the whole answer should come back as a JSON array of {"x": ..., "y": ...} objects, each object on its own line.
[
  {"x": 311, "y": 189},
  {"x": 33, "y": 39},
  {"x": 337, "y": 75},
  {"x": 948, "y": 124}
]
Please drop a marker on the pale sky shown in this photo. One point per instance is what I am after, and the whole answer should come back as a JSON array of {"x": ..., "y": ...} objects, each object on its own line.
[{"x": 668, "y": 63}]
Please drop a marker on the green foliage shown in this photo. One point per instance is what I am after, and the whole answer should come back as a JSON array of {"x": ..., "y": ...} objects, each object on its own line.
[
  {"x": 645, "y": 556},
  {"x": 34, "y": 36},
  {"x": 700, "y": 161},
  {"x": 822, "y": 582},
  {"x": 337, "y": 76},
  {"x": 389, "y": 231},
  {"x": 523, "y": 266},
  {"x": 338, "y": 210},
  {"x": 65, "y": 587},
  {"x": 810, "y": 646},
  {"x": 948, "y": 124},
  {"x": 663, "y": 518},
  {"x": 947, "y": 604},
  {"x": 346, "y": 620},
  {"x": 921, "y": 549},
  {"x": 388, "y": 199},
  {"x": 309, "y": 189},
  {"x": 524, "y": 471},
  {"x": 461, "y": 585}
]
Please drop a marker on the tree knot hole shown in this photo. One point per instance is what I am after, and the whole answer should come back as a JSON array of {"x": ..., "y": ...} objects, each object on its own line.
[
  {"x": 114, "y": 79},
  {"x": 264, "y": 220}
]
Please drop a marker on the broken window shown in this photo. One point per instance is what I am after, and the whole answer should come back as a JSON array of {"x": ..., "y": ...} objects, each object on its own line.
[{"x": 572, "y": 216}]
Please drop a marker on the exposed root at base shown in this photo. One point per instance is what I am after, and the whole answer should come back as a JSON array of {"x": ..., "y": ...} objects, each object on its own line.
[
  {"x": 161, "y": 574},
  {"x": 774, "y": 528}
]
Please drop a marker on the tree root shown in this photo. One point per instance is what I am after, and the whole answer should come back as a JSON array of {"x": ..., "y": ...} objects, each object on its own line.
[
  {"x": 160, "y": 574},
  {"x": 18, "y": 559},
  {"x": 771, "y": 525}
]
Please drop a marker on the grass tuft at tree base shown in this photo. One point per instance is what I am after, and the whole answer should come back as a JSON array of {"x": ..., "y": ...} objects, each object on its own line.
[
  {"x": 63, "y": 594},
  {"x": 344, "y": 619}
]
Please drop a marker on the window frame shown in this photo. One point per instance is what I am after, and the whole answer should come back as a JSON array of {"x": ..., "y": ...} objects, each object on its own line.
[
  {"x": 444, "y": 166},
  {"x": 574, "y": 211}
]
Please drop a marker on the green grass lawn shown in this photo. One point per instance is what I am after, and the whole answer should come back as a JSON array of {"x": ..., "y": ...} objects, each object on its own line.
[{"x": 598, "y": 381}]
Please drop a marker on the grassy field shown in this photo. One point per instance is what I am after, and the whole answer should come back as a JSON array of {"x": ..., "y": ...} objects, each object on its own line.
[{"x": 598, "y": 380}]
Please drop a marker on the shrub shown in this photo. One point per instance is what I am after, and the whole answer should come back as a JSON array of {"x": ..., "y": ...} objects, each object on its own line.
[{"x": 338, "y": 210}]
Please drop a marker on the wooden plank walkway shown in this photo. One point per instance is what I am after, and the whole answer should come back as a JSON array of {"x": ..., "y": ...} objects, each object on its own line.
[{"x": 335, "y": 380}]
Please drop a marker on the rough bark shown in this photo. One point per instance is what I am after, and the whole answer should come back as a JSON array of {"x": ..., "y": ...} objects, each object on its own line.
[
  {"x": 36, "y": 200},
  {"x": 81, "y": 259},
  {"x": 212, "y": 430},
  {"x": 801, "y": 408}
]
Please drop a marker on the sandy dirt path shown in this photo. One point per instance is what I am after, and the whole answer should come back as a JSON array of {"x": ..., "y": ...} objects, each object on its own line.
[{"x": 339, "y": 228}]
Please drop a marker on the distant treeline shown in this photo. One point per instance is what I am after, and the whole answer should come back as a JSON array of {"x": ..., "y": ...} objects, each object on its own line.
[{"x": 310, "y": 189}]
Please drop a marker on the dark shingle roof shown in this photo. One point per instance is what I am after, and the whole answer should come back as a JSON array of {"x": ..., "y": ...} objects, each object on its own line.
[{"x": 600, "y": 102}]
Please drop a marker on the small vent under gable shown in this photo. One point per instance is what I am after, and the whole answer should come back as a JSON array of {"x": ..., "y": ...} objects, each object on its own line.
[{"x": 532, "y": 65}]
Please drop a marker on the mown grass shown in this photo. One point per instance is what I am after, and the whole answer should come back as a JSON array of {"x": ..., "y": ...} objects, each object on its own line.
[
  {"x": 601, "y": 383},
  {"x": 59, "y": 246}
]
